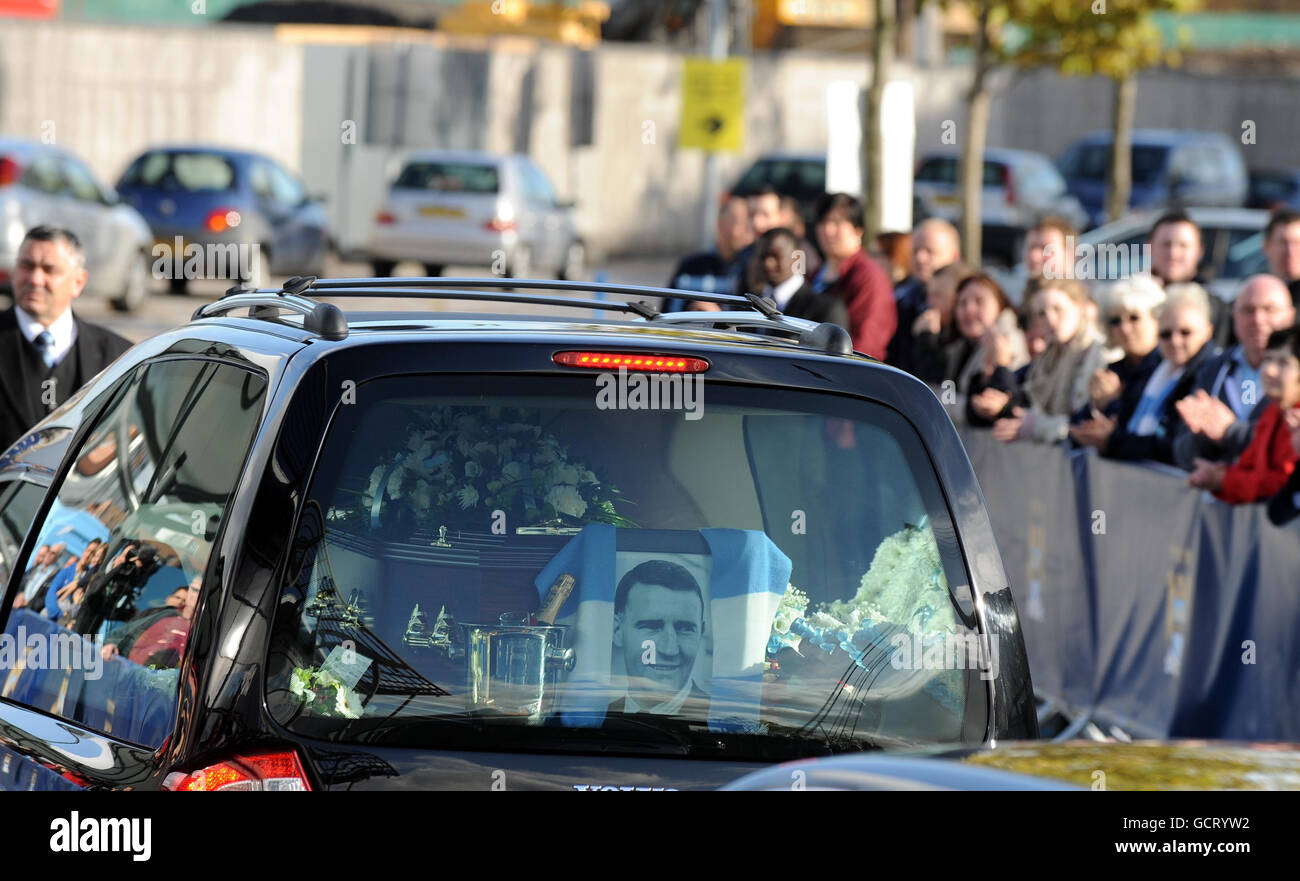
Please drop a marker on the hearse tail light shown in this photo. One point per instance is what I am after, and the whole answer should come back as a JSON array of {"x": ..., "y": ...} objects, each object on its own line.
[
  {"x": 280, "y": 771},
  {"x": 631, "y": 362}
]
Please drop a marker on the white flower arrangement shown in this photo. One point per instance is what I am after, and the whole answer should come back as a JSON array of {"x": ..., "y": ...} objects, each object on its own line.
[
  {"x": 791, "y": 608},
  {"x": 904, "y": 586},
  {"x": 305, "y": 683},
  {"x": 458, "y": 459}
]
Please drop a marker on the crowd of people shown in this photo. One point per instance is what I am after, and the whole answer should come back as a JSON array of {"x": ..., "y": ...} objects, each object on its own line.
[
  {"x": 1144, "y": 367},
  {"x": 57, "y": 583}
]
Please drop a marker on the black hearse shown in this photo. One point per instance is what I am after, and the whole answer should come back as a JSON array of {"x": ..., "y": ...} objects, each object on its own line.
[{"x": 328, "y": 550}]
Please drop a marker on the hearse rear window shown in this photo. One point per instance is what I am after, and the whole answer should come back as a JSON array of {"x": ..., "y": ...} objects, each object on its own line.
[{"x": 505, "y": 563}]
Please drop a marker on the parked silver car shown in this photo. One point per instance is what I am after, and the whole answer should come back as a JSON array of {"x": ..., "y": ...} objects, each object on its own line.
[
  {"x": 1019, "y": 186},
  {"x": 476, "y": 209},
  {"x": 43, "y": 184}
]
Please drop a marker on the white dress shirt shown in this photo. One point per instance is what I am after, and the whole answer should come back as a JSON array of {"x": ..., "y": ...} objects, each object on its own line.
[
  {"x": 64, "y": 331},
  {"x": 785, "y": 290}
]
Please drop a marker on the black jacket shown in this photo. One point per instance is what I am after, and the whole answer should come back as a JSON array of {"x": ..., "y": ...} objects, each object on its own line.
[
  {"x": 704, "y": 272},
  {"x": 1285, "y": 506},
  {"x": 95, "y": 348},
  {"x": 817, "y": 307},
  {"x": 1158, "y": 447},
  {"x": 1133, "y": 379}
]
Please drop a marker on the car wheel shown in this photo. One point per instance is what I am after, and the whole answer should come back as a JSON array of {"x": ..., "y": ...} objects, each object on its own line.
[
  {"x": 136, "y": 290},
  {"x": 575, "y": 262},
  {"x": 382, "y": 268},
  {"x": 521, "y": 263},
  {"x": 433, "y": 270}
]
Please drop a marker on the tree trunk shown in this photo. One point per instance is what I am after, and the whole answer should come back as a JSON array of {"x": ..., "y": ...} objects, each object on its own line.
[
  {"x": 971, "y": 178},
  {"x": 882, "y": 62},
  {"x": 1121, "y": 160},
  {"x": 906, "y": 21}
]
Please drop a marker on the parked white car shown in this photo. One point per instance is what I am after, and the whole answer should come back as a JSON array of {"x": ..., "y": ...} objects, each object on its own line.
[
  {"x": 41, "y": 184},
  {"x": 478, "y": 209}
]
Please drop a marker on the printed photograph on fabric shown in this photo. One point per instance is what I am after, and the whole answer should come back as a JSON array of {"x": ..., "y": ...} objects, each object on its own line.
[{"x": 662, "y": 656}]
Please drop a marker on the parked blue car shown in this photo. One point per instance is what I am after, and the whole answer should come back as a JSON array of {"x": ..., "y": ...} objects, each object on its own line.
[
  {"x": 216, "y": 196},
  {"x": 1171, "y": 168}
]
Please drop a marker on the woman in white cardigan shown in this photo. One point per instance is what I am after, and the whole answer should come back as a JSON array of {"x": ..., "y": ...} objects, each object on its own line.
[{"x": 1057, "y": 382}]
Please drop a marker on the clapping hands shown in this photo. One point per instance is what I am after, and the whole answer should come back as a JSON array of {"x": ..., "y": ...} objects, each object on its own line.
[
  {"x": 989, "y": 403},
  {"x": 1206, "y": 415},
  {"x": 1095, "y": 432}
]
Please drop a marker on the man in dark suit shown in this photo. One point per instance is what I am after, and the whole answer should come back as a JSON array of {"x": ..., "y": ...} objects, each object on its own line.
[
  {"x": 783, "y": 265},
  {"x": 1282, "y": 248},
  {"x": 46, "y": 352}
]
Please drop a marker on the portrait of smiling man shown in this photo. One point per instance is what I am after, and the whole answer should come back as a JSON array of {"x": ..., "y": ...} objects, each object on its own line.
[
  {"x": 46, "y": 352},
  {"x": 658, "y": 631}
]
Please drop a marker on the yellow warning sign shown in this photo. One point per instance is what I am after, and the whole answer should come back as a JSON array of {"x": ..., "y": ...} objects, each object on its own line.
[{"x": 713, "y": 104}]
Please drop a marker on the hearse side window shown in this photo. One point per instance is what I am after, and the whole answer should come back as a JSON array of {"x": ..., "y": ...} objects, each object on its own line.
[{"x": 99, "y": 638}]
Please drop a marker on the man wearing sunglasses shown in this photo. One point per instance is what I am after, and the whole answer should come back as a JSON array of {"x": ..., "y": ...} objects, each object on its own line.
[{"x": 1217, "y": 418}]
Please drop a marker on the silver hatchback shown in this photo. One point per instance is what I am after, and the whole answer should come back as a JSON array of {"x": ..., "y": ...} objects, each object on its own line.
[
  {"x": 41, "y": 184},
  {"x": 475, "y": 209}
]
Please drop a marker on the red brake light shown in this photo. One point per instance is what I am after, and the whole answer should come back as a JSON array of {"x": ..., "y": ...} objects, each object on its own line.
[
  {"x": 10, "y": 171},
  {"x": 221, "y": 219},
  {"x": 644, "y": 363},
  {"x": 498, "y": 224},
  {"x": 385, "y": 217},
  {"x": 262, "y": 772},
  {"x": 1009, "y": 183}
]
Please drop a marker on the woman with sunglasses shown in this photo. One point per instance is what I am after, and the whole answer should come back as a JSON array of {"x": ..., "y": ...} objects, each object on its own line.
[
  {"x": 1144, "y": 425},
  {"x": 1131, "y": 305}
]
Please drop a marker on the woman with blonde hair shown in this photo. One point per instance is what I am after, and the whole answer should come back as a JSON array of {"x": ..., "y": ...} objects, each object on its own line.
[
  {"x": 1056, "y": 384},
  {"x": 1144, "y": 424}
]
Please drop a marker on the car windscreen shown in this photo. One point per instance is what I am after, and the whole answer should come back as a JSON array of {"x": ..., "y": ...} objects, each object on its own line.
[
  {"x": 801, "y": 178},
  {"x": 551, "y": 564},
  {"x": 187, "y": 172},
  {"x": 1092, "y": 162},
  {"x": 449, "y": 177},
  {"x": 1268, "y": 189},
  {"x": 946, "y": 171},
  {"x": 1244, "y": 254}
]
